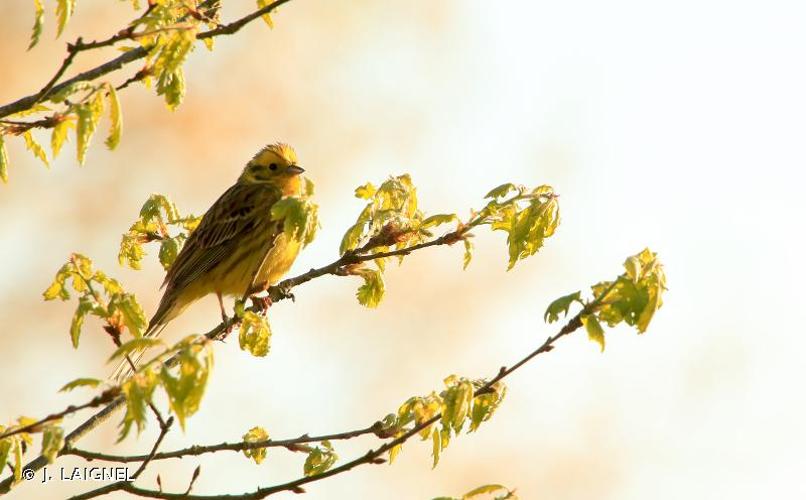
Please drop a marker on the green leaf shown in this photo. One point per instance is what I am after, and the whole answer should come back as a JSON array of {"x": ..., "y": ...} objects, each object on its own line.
[
  {"x": 85, "y": 305},
  {"x": 267, "y": 16},
  {"x": 595, "y": 330},
  {"x": 351, "y": 238},
  {"x": 484, "y": 490},
  {"x": 5, "y": 449},
  {"x": 59, "y": 135},
  {"x": 255, "y": 435},
  {"x": 436, "y": 220},
  {"x": 155, "y": 206},
  {"x": 138, "y": 391},
  {"x": 299, "y": 218},
  {"x": 52, "y": 442},
  {"x": 186, "y": 389},
  {"x": 113, "y": 139},
  {"x": 81, "y": 382},
  {"x": 320, "y": 459},
  {"x": 501, "y": 191},
  {"x": 135, "y": 345},
  {"x": 133, "y": 316},
  {"x": 366, "y": 192},
  {"x": 371, "y": 292},
  {"x": 561, "y": 305},
  {"x": 64, "y": 9},
  {"x": 485, "y": 405},
  {"x": 3, "y": 160},
  {"x": 169, "y": 249},
  {"x": 88, "y": 116},
  {"x": 39, "y": 19},
  {"x": 35, "y": 148},
  {"x": 436, "y": 447},
  {"x": 58, "y": 288},
  {"x": 468, "y": 252},
  {"x": 255, "y": 334}
]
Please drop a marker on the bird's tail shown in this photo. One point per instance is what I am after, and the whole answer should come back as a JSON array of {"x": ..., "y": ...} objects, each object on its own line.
[{"x": 165, "y": 312}]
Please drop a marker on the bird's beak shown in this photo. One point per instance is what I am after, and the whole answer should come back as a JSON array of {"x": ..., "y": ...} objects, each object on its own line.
[{"x": 295, "y": 169}]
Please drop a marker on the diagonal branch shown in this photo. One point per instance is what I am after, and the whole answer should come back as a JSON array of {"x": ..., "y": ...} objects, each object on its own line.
[
  {"x": 374, "y": 456},
  {"x": 293, "y": 444},
  {"x": 118, "y": 62},
  {"x": 277, "y": 292}
]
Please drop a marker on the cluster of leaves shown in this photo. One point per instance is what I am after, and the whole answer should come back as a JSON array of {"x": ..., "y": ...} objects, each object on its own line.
[
  {"x": 157, "y": 215},
  {"x": 300, "y": 215},
  {"x": 391, "y": 221},
  {"x": 319, "y": 459},
  {"x": 98, "y": 295},
  {"x": 167, "y": 30},
  {"x": 632, "y": 298},
  {"x": 184, "y": 383},
  {"x": 496, "y": 491},
  {"x": 460, "y": 403},
  {"x": 13, "y": 447},
  {"x": 82, "y": 106}
]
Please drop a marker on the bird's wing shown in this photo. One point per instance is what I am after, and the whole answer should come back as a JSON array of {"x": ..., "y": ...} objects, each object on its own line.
[{"x": 234, "y": 214}]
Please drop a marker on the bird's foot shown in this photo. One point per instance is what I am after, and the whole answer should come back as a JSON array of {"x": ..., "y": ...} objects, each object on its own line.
[{"x": 262, "y": 304}]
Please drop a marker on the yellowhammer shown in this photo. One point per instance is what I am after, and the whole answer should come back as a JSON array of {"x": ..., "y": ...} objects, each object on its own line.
[{"x": 237, "y": 249}]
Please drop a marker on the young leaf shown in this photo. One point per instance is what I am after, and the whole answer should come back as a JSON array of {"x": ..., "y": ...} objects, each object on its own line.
[
  {"x": 39, "y": 18},
  {"x": 52, "y": 442},
  {"x": 138, "y": 390},
  {"x": 114, "y": 117},
  {"x": 436, "y": 220},
  {"x": 371, "y": 292},
  {"x": 169, "y": 249},
  {"x": 135, "y": 345},
  {"x": 85, "y": 305},
  {"x": 595, "y": 330},
  {"x": 81, "y": 382},
  {"x": 186, "y": 389},
  {"x": 366, "y": 192},
  {"x": 256, "y": 434},
  {"x": 59, "y": 135},
  {"x": 561, "y": 305},
  {"x": 133, "y": 316},
  {"x": 255, "y": 334},
  {"x": 468, "y": 252},
  {"x": 64, "y": 9},
  {"x": 3, "y": 160},
  {"x": 35, "y": 148},
  {"x": 267, "y": 16},
  {"x": 501, "y": 191},
  {"x": 320, "y": 459}
]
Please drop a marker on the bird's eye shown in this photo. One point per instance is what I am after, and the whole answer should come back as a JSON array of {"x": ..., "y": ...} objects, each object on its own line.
[{"x": 273, "y": 166}]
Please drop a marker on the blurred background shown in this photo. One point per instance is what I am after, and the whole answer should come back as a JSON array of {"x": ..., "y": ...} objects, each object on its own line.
[{"x": 674, "y": 126}]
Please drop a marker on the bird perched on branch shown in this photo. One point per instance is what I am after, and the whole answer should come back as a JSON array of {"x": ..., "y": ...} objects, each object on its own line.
[{"x": 237, "y": 249}]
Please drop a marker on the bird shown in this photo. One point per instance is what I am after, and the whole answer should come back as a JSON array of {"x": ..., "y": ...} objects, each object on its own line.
[{"x": 237, "y": 249}]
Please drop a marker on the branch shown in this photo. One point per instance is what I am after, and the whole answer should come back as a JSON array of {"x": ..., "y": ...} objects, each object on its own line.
[
  {"x": 115, "y": 64},
  {"x": 165, "y": 426},
  {"x": 291, "y": 444},
  {"x": 277, "y": 292},
  {"x": 105, "y": 397},
  {"x": 372, "y": 456}
]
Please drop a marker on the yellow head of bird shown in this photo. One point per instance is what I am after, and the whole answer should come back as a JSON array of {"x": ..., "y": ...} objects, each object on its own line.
[{"x": 275, "y": 164}]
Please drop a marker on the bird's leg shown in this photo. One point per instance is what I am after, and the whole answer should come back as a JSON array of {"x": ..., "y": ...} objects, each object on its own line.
[{"x": 224, "y": 318}]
